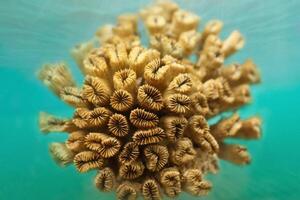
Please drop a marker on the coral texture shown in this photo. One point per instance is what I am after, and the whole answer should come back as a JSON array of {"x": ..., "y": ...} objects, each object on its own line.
[{"x": 141, "y": 115}]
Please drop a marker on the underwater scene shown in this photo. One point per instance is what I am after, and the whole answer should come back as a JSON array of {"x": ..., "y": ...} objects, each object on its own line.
[{"x": 183, "y": 99}]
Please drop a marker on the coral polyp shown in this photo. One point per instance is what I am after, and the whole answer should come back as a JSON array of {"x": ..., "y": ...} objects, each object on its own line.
[{"x": 141, "y": 116}]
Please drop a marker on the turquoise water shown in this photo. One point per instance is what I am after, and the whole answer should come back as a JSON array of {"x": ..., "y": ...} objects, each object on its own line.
[{"x": 35, "y": 31}]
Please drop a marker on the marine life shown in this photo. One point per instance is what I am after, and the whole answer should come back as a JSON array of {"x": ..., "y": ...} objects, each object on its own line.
[{"x": 141, "y": 116}]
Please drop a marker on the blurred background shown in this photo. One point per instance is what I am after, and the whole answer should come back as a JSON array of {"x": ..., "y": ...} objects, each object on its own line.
[{"x": 33, "y": 32}]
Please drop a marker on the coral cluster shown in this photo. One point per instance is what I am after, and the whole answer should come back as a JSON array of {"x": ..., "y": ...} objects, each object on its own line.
[{"x": 141, "y": 116}]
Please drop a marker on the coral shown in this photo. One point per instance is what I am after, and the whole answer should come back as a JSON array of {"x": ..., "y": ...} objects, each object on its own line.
[{"x": 141, "y": 115}]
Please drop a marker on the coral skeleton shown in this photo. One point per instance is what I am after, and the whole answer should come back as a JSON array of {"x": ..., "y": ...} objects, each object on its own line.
[{"x": 141, "y": 116}]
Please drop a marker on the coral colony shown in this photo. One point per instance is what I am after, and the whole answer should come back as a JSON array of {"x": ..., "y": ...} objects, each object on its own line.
[{"x": 141, "y": 115}]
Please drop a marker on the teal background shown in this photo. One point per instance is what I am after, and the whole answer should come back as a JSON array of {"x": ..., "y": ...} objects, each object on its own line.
[{"x": 36, "y": 31}]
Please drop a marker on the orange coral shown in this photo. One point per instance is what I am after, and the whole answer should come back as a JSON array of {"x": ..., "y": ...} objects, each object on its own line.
[{"x": 141, "y": 116}]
